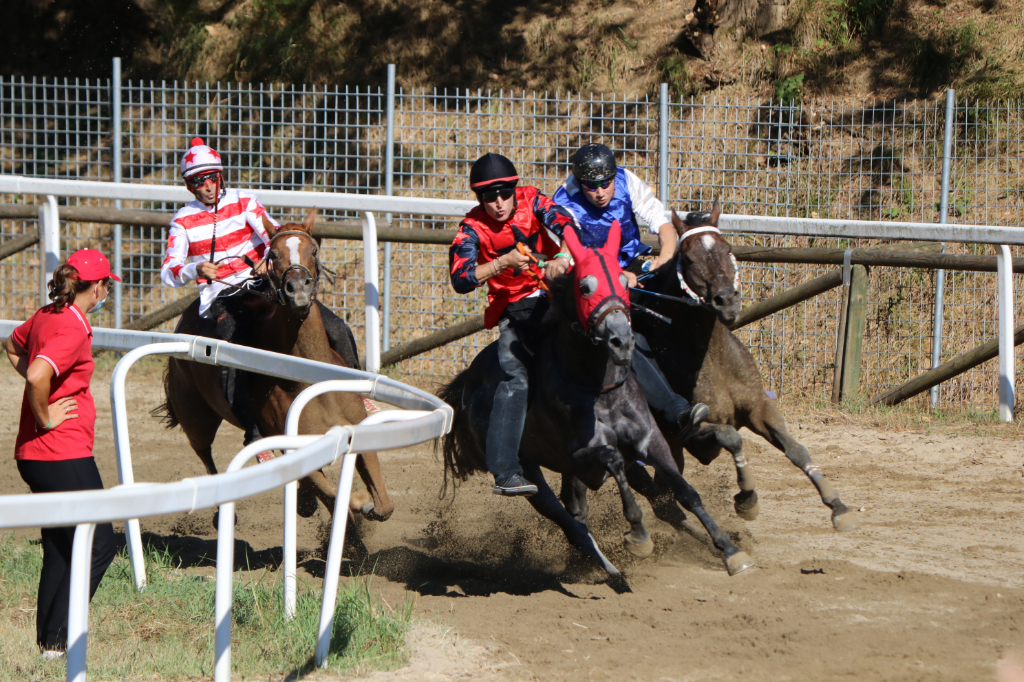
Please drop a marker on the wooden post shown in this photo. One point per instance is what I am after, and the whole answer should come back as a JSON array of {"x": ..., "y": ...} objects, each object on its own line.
[{"x": 855, "y": 323}]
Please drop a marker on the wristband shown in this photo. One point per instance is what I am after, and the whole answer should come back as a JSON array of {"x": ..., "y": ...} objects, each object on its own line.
[
  {"x": 48, "y": 424},
  {"x": 561, "y": 255}
]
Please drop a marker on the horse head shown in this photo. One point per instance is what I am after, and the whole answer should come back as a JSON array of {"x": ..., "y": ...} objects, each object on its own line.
[
  {"x": 705, "y": 266},
  {"x": 293, "y": 266},
  {"x": 602, "y": 301}
]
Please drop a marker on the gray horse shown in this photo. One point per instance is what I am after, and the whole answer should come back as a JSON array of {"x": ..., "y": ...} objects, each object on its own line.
[{"x": 587, "y": 414}]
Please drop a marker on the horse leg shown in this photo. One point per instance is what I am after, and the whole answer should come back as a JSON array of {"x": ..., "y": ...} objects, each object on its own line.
[
  {"x": 773, "y": 429},
  {"x": 576, "y": 533},
  {"x": 380, "y": 507},
  {"x": 662, "y": 503},
  {"x": 574, "y": 497},
  {"x": 706, "y": 444},
  {"x": 638, "y": 540},
  {"x": 658, "y": 454},
  {"x": 197, "y": 419}
]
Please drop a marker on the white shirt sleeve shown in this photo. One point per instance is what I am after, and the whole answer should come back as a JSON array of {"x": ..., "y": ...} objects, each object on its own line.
[
  {"x": 645, "y": 205},
  {"x": 176, "y": 271}
]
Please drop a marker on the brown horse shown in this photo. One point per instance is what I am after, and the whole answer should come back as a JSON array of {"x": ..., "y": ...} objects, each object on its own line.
[
  {"x": 291, "y": 325},
  {"x": 704, "y": 362}
]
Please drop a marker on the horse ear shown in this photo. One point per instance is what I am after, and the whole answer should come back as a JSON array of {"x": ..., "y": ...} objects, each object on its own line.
[
  {"x": 716, "y": 210},
  {"x": 573, "y": 242},
  {"x": 270, "y": 227},
  {"x": 307, "y": 224},
  {"x": 614, "y": 241},
  {"x": 678, "y": 223}
]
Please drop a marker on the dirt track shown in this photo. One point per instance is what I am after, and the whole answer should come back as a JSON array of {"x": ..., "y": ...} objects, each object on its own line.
[{"x": 930, "y": 588}]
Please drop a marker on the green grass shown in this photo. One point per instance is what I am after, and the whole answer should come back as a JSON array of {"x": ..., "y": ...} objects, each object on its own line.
[{"x": 168, "y": 629}]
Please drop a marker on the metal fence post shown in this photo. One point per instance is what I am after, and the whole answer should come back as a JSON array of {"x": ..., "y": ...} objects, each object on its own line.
[
  {"x": 115, "y": 159},
  {"x": 49, "y": 245},
  {"x": 389, "y": 186},
  {"x": 940, "y": 275},
  {"x": 663, "y": 145}
]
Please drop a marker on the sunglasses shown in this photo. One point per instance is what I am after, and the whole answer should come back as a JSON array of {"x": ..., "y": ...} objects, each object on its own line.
[
  {"x": 594, "y": 185},
  {"x": 197, "y": 181},
  {"x": 492, "y": 195}
]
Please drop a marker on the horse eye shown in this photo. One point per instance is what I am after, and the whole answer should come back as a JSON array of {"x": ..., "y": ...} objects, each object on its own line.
[
  {"x": 623, "y": 280},
  {"x": 588, "y": 285}
]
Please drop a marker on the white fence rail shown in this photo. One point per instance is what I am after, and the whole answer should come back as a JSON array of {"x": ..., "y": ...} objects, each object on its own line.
[
  {"x": 367, "y": 204},
  {"x": 424, "y": 418}
]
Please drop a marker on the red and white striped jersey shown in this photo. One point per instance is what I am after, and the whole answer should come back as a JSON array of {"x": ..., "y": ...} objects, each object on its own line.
[{"x": 239, "y": 232}]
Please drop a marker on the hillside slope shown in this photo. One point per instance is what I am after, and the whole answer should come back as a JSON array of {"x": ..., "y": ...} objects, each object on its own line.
[{"x": 837, "y": 48}]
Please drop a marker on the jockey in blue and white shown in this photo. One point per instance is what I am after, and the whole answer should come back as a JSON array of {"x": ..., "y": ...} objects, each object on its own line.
[{"x": 598, "y": 193}]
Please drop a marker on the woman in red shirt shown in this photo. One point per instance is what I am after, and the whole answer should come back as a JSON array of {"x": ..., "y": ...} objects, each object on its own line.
[{"x": 53, "y": 351}]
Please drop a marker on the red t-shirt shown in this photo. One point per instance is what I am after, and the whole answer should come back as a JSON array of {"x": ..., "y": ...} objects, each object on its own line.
[{"x": 63, "y": 339}]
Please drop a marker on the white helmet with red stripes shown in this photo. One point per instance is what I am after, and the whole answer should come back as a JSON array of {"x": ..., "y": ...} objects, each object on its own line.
[{"x": 199, "y": 159}]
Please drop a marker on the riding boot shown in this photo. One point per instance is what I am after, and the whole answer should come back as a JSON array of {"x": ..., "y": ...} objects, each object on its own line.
[
  {"x": 233, "y": 327},
  {"x": 663, "y": 401},
  {"x": 508, "y": 415},
  {"x": 339, "y": 335}
]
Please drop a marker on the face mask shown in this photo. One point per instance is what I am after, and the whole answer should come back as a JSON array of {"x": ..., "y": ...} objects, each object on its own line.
[{"x": 96, "y": 308}]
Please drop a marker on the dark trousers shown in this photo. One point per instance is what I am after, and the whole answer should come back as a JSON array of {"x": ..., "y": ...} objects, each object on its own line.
[
  {"x": 662, "y": 400},
  {"x": 520, "y": 333},
  {"x": 231, "y": 321},
  {"x": 55, "y": 578}
]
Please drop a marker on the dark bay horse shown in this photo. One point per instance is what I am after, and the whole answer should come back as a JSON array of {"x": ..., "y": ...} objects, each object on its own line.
[
  {"x": 704, "y": 362},
  {"x": 587, "y": 412},
  {"x": 291, "y": 325}
]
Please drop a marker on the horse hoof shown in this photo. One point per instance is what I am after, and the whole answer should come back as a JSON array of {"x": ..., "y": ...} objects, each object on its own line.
[
  {"x": 746, "y": 505},
  {"x": 846, "y": 521},
  {"x": 641, "y": 550},
  {"x": 738, "y": 562}
]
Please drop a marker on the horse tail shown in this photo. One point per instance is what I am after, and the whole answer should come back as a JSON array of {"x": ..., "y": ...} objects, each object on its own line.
[
  {"x": 164, "y": 412},
  {"x": 458, "y": 463}
]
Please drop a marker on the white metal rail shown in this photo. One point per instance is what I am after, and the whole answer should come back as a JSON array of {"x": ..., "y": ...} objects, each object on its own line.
[
  {"x": 424, "y": 418},
  {"x": 367, "y": 204}
]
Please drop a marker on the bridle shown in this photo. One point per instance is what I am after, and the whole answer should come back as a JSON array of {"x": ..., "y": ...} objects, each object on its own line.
[
  {"x": 278, "y": 282},
  {"x": 679, "y": 271}
]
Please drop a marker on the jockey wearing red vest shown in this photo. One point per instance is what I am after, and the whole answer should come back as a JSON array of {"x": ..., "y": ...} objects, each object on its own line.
[{"x": 485, "y": 251}]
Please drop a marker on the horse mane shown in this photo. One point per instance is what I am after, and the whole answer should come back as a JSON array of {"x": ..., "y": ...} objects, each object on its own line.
[{"x": 563, "y": 299}]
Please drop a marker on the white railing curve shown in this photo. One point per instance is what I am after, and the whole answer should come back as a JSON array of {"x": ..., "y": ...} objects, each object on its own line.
[{"x": 423, "y": 417}]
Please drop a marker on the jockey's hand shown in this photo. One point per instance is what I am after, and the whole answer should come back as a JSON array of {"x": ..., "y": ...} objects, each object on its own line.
[
  {"x": 514, "y": 259},
  {"x": 207, "y": 270},
  {"x": 662, "y": 259},
  {"x": 631, "y": 280},
  {"x": 261, "y": 269},
  {"x": 556, "y": 267}
]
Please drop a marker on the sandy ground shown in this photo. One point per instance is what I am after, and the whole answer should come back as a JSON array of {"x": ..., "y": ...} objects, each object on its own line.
[{"x": 930, "y": 588}]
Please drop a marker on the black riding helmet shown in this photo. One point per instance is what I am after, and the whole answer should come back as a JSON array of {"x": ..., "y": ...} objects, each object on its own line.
[
  {"x": 593, "y": 163},
  {"x": 490, "y": 172}
]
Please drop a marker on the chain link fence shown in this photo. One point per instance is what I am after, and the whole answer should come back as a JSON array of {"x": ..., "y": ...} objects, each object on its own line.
[{"x": 838, "y": 159}]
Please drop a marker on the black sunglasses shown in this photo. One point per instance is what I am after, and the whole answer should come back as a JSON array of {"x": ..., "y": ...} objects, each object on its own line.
[
  {"x": 594, "y": 185},
  {"x": 491, "y": 195},
  {"x": 197, "y": 181}
]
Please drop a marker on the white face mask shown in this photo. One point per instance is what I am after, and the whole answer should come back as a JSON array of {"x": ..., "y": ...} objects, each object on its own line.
[{"x": 99, "y": 305}]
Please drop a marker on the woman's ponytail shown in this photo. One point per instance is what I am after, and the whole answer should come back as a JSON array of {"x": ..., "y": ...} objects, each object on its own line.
[{"x": 65, "y": 285}]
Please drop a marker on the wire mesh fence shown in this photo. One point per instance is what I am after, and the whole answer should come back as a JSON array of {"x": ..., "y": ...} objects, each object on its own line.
[{"x": 821, "y": 159}]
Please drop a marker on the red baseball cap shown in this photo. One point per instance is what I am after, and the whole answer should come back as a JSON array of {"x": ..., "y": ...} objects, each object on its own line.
[{"x": 92, "y": 265}]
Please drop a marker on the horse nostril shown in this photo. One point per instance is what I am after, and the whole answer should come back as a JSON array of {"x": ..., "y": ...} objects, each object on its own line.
[
  {"x": 721, "y": 301},
  {"x": 615, "y": 342}
]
